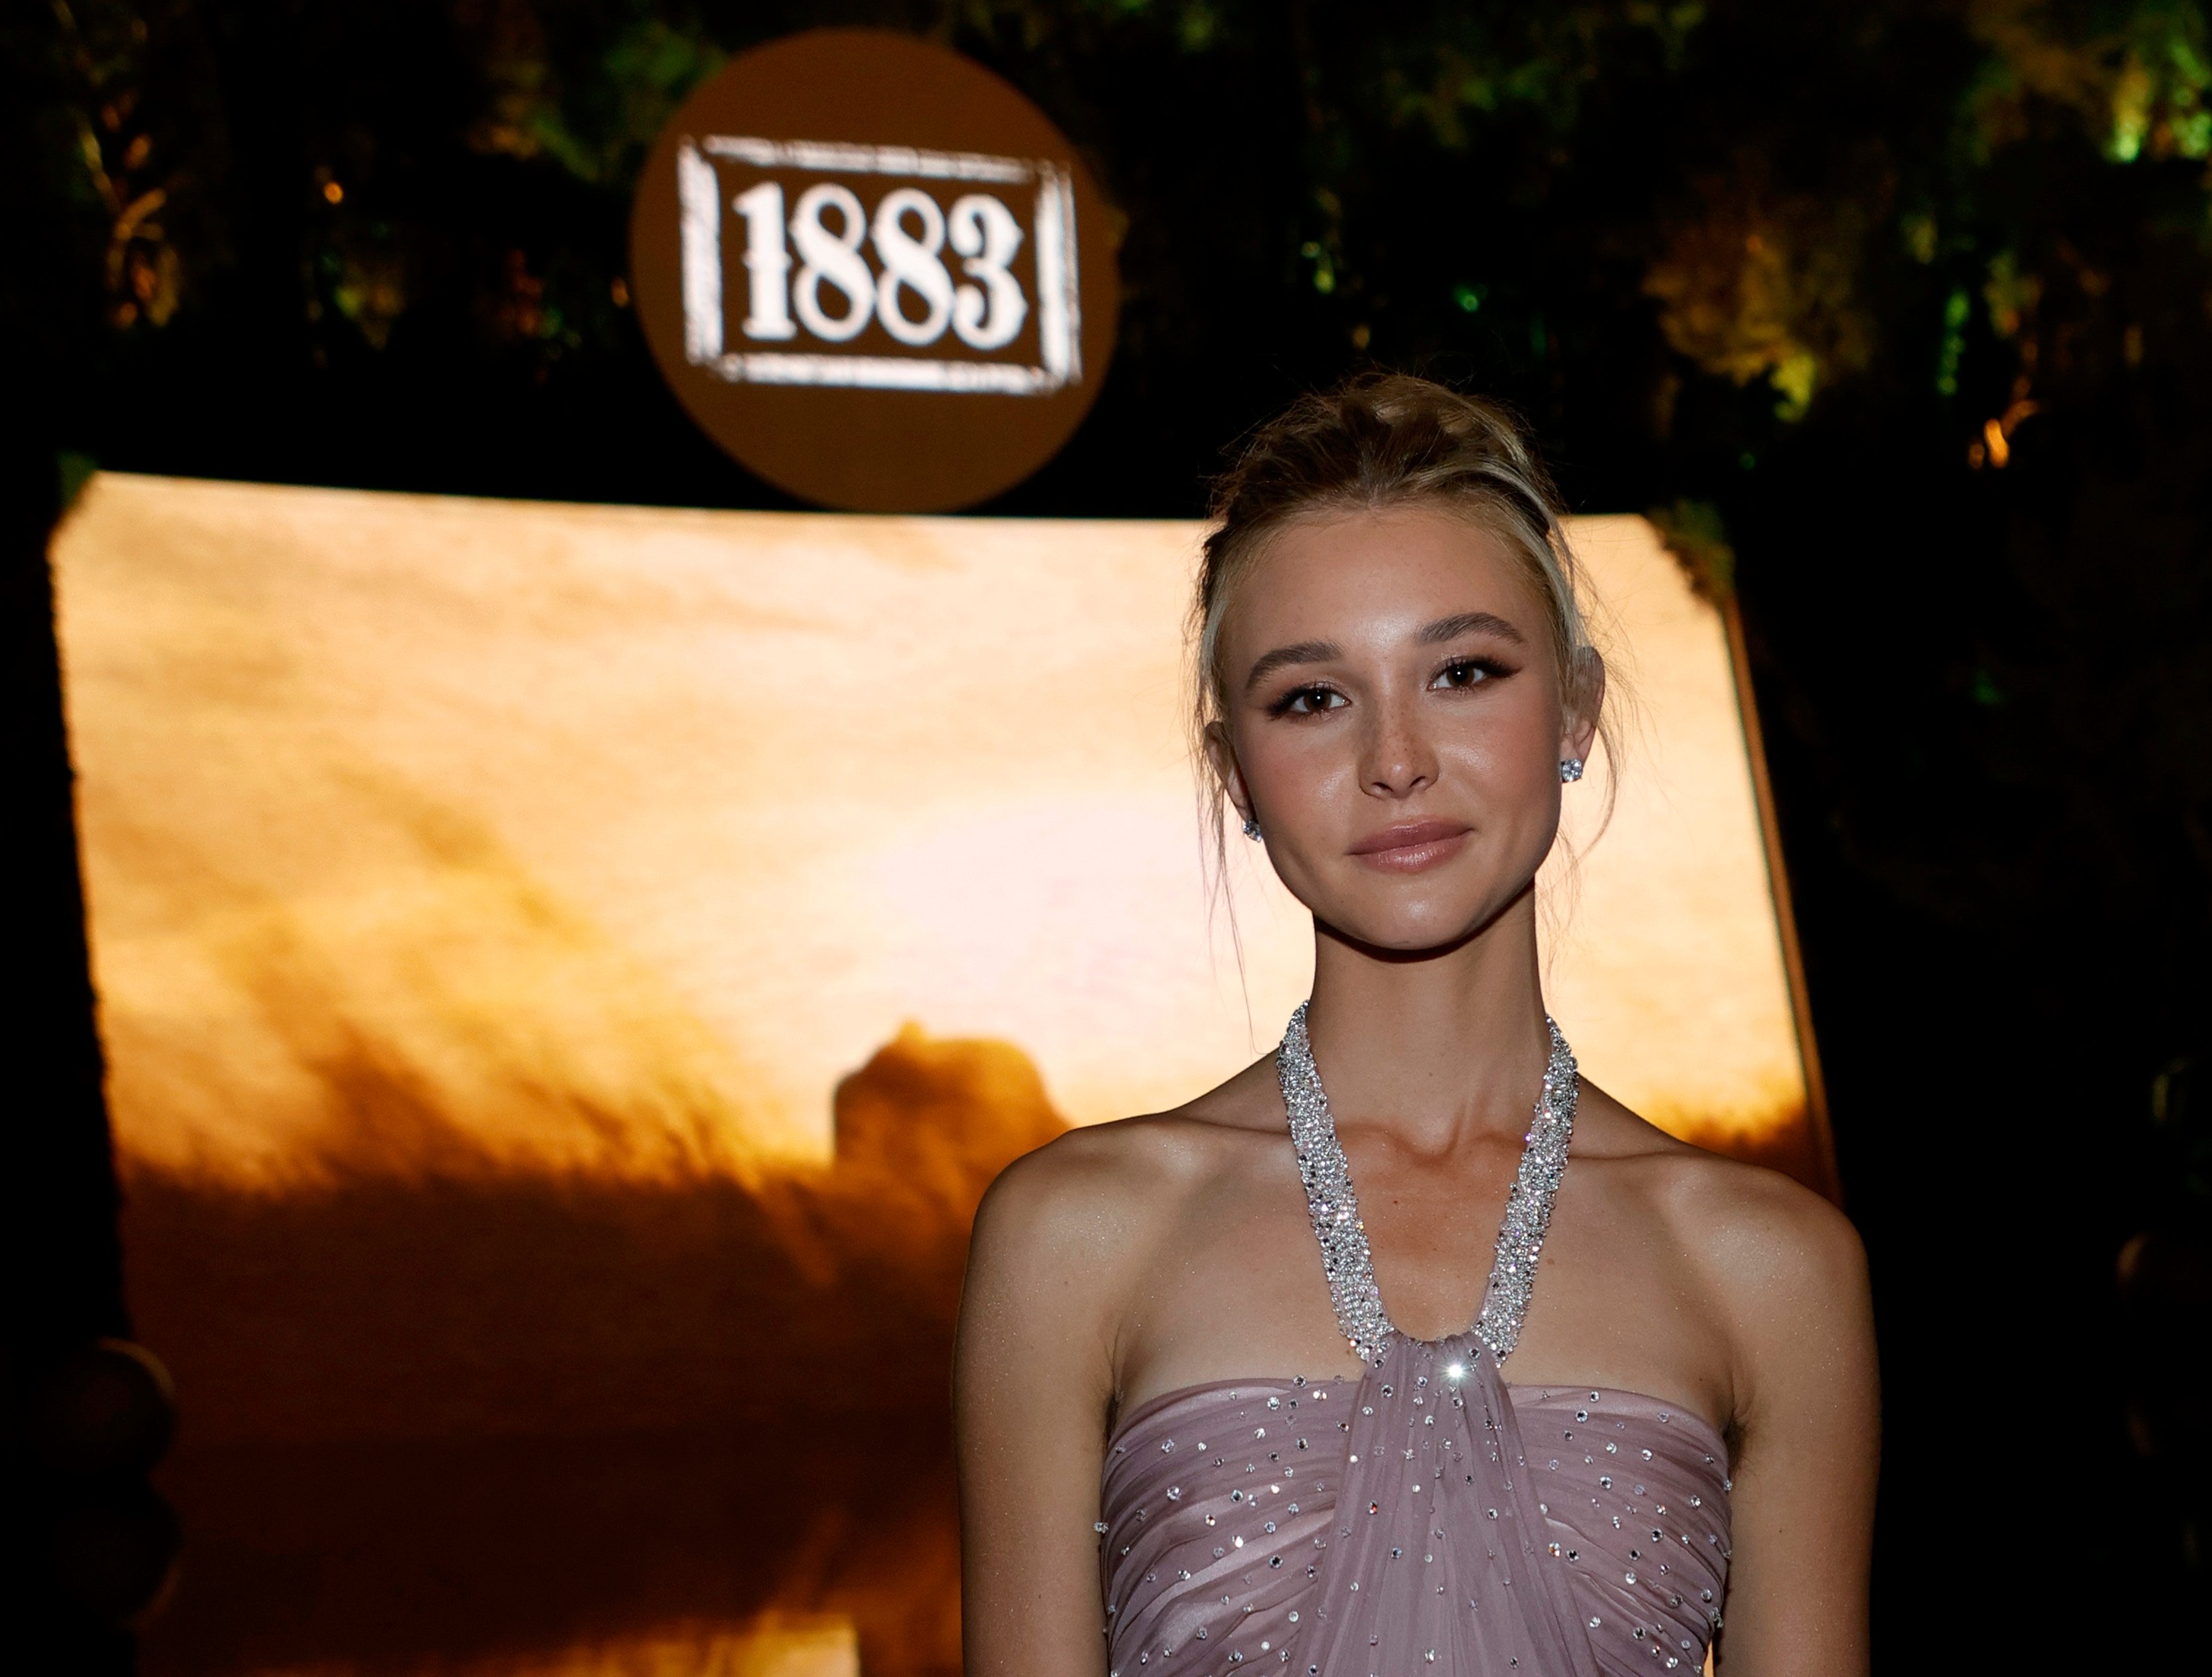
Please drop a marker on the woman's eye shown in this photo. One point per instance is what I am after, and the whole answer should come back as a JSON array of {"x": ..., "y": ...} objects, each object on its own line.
[
  {"x": 1308, "y": 701},
  {"x": 1463, "y": 672}
]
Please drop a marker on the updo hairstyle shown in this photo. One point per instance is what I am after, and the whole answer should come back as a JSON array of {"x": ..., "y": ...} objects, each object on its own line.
[{"x": 1376, "y": 442}]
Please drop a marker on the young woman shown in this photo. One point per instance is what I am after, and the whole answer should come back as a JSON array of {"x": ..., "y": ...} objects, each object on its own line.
[{"x": 1215, "y": 1406}]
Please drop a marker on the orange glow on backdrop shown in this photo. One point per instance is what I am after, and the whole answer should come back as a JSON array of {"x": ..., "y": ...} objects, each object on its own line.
[
  {"x": 620, "y": 834},
  {"x": 568, "y": 972}
]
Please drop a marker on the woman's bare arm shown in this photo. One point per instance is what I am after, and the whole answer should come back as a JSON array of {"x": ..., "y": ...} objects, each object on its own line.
[
  {"x": 1033, "y": 1383},
  {"x": 1791, "y": 1276}
]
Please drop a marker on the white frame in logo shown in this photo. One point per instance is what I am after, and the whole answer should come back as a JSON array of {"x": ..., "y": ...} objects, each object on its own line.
[{"x": 1059, "y": 306}]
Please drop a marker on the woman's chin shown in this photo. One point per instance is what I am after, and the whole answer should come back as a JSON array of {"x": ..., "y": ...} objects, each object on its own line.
[
  {"x": 1412, "y": 926},
  {"x": 1404, "y": 938}
]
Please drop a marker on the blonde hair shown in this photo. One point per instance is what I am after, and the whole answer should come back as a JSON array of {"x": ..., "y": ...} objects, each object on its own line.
[{"x": 1377, "y": 441}]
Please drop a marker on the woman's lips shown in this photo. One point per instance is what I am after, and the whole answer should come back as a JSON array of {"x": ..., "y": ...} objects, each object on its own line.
[{"x": 1413, "y": 846}]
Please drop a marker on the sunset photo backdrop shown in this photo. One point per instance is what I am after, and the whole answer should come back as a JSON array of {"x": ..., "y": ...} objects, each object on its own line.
[
  {"x": 617, "y": 835},
  {"x": 568, "y": 971}
]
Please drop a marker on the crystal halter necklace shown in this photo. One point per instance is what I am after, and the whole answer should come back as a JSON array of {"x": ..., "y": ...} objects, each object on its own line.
[{"x": 1344, "y": 1255}]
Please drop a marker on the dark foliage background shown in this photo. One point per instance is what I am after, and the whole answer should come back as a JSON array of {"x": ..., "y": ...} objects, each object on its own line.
[{"x": 1897, "y": 313}]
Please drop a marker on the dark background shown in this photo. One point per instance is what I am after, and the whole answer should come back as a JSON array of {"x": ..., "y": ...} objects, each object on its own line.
[{"x": 1897, "y": 316}]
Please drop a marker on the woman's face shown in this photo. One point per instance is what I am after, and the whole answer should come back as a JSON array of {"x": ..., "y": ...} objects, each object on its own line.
[{"x": 1394, "y": 722}]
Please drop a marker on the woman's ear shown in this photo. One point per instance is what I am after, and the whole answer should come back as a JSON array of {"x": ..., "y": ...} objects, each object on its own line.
[
  {"x": 1221, "y": 758},
  {"x": 1585, "y": 702}
]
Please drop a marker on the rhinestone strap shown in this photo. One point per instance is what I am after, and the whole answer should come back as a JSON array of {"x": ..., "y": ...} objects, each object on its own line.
[
  {"x": 1344, "y": 1254},
  {"x": 1327, "y": 1176},
  {"x": 1528, "y": 1206}
]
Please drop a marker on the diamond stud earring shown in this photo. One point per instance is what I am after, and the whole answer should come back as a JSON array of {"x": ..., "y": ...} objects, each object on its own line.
[
  {"x": 1252, "y": 827},
  {"x": 1571, "y": 769}
]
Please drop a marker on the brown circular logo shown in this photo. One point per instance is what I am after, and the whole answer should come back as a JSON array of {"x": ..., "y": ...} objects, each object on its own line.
[{"x": 873, "y": 272}]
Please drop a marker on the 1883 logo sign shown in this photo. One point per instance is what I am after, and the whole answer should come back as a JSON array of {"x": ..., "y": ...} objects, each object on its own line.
[{"x": 873, "y": 272}]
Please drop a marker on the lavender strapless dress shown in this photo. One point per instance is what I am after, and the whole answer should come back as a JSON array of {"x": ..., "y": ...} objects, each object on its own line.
[{"x": 1427, "y": 1515}]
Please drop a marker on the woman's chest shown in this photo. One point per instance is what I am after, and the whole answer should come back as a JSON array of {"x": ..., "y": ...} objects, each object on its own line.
[
  {"x": 1620, "y": 1305},
  {"x": 1237, "y": 1287}
]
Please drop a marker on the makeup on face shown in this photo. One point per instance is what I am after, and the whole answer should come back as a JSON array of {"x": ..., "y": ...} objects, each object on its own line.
[{"x": 1413, "y": 847}]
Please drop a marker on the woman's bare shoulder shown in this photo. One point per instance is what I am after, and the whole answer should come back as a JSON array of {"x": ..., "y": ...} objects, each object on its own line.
[
  {"x": 1768, "y": 1249},
  {"x": 1101, "y": 1195}
]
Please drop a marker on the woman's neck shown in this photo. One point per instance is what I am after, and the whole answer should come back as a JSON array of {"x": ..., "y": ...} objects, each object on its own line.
[{"x": 1437, "y": 1046}]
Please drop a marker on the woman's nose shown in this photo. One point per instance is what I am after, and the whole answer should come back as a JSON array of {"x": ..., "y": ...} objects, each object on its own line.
[{"x": 1400, "y": 758}]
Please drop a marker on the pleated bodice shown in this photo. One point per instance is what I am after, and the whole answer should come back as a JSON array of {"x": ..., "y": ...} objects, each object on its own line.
[{"x": 1232, "y": 1510}]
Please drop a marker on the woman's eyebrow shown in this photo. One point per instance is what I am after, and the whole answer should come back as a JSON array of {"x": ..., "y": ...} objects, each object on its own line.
[
  {"x": 1471, "y": 622},
  {"x": 1321, "y": 652},
  {"x": 1302, "y": 652}
]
